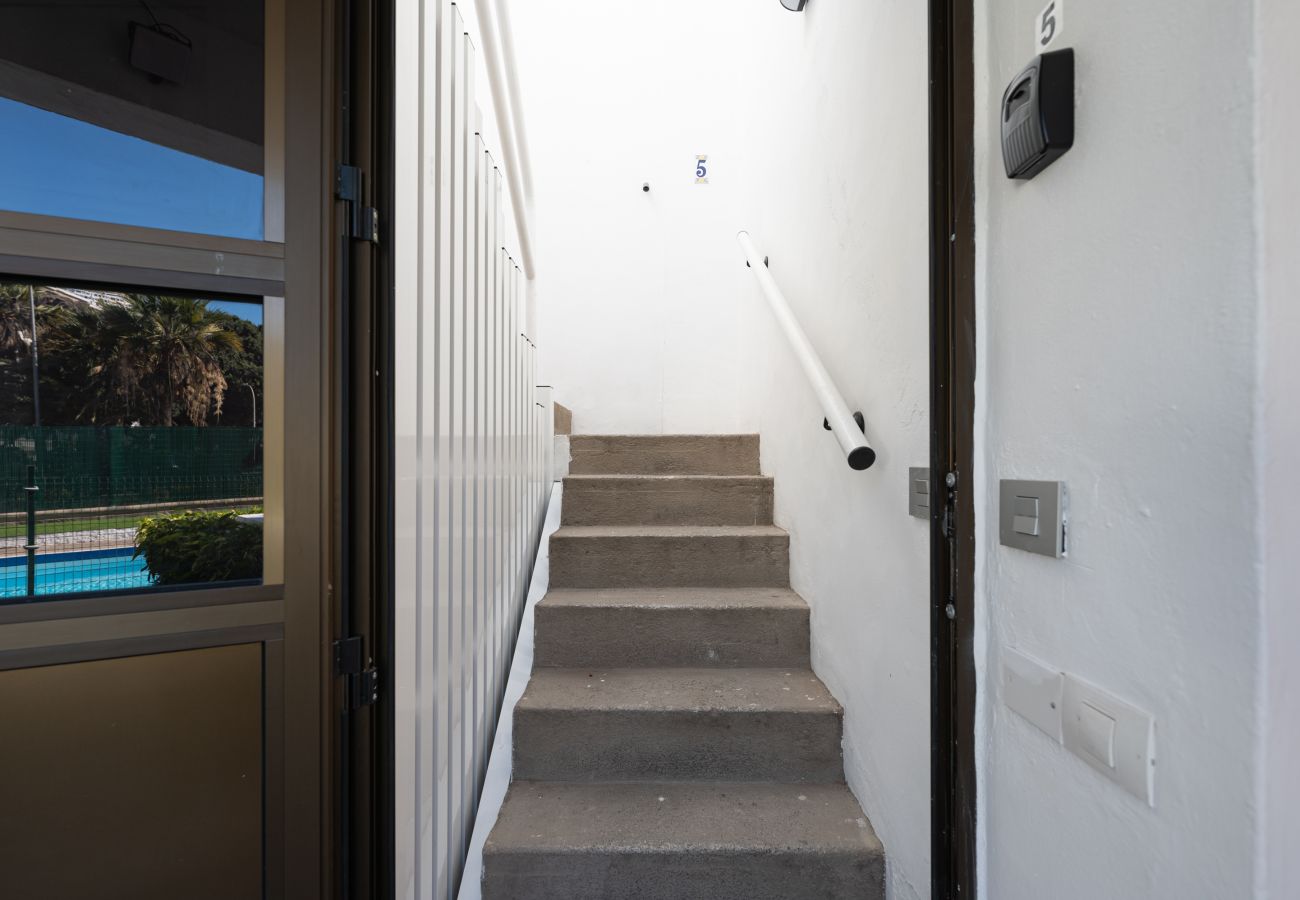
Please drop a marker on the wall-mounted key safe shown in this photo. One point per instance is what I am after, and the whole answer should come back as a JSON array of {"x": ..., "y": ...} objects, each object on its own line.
[{"x": 1038, "y": 114}]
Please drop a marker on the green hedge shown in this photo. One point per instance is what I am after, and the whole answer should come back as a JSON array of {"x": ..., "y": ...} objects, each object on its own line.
[{"x": 199, "y": 547}]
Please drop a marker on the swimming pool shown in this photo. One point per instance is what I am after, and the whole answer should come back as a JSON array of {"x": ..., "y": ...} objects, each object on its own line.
[{"x": 75, "y": 572}]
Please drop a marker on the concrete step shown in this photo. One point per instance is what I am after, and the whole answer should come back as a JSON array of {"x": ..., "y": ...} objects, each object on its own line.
[
  {"x": 611, "y": 556},
  {"x": 677, "y": 725},
  {"x": 682, "y": 842},
  {"x": 664, "y": 454},
  {"x": 634, "y": 627},
  {"x": 667, "y": 500}
]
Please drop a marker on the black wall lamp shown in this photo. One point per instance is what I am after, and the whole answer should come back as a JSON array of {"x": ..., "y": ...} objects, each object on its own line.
[{"x": 794, "y": 5}]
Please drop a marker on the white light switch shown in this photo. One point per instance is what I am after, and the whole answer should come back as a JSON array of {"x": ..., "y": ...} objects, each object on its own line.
[
  {"x": 1114, "y": 737},
  {"x": 1097, "y": 734},
  {"x": 1033, "y": 690}
]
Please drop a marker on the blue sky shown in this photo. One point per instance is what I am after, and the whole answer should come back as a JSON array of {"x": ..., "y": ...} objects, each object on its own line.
[
  {"x": 59, "y": 166},
  {"x": 250, "y": 311}
]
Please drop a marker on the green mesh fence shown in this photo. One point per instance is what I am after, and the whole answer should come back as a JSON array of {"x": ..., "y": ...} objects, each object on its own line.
[{"x": 83, "y": 468}]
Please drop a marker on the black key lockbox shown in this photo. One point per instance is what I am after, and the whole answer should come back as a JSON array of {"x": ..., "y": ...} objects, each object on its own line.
[{"x": 1038, "y": 115}]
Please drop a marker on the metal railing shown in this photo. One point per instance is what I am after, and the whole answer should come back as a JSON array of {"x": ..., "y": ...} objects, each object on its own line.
[
  {"x": 49, "y": 548},
  {"x": 847, "y": 426},
  {"x": 506, "y": 109}
]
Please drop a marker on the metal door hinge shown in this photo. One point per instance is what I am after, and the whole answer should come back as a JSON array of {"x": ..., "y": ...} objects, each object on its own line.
[
  {"x": 360, "y": 679},
  {"x": 363, "y": 221},
  {"x": 948, "y": 523}
]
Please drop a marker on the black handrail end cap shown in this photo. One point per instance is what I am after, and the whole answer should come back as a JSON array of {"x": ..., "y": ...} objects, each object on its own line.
[{"x": 861, "y": 458}]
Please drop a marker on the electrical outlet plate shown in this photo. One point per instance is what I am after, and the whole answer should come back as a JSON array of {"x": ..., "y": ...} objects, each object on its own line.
[{"x": 1033, "y": 690}]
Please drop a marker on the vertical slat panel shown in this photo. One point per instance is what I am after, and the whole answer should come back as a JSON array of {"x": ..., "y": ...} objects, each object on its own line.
[
  {"x": 516, "y": 409},
  {"x": 499, "y": 474},
  {"x": 432, "y": 821},
  {"x": 482, "y": 623},
  {"x": 507, "y": 474},
  {"x": 456, "y": 455},
  {"x": 499, "y": 439},
  {"x": 445, "y": 472},
  {"x": 520, "y": 418},
  {"x": 516, "y": 432},
  {"x": 470, "y": 477},
  {"x": 407, "y": 216},
  {"x": 469, "y": 767},
  {"x": 494, "y": 430}
]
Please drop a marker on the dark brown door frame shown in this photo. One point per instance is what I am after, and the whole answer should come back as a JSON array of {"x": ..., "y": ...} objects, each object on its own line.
[
  {"x": 363, "y": 452},
  {"x": 952, "y": 403}
]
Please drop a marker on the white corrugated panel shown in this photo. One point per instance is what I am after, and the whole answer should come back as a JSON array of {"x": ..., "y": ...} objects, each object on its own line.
[{"x": 468, "y": 431}]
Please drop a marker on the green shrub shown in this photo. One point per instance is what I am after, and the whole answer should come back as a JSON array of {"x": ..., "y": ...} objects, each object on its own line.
[{"x": 195, "y": 547}]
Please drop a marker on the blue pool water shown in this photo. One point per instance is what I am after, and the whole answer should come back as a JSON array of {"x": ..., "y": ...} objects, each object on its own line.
[{"x": 75, "y": 572}]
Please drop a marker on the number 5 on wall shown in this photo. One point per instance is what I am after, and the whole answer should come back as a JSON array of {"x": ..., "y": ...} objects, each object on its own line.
[
  {"x": 701, "y": 170},
  {"x": 1047, "y": 27}
]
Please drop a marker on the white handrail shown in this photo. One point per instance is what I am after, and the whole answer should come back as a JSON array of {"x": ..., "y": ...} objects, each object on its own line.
[
  {"x": 501, "y": 110},
  {"x": 841, "y": 421},
  {"x": 516, "y": 99}
]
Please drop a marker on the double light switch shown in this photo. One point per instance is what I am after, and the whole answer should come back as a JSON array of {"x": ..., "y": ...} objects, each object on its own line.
[{"x": 1113, "y": 736}]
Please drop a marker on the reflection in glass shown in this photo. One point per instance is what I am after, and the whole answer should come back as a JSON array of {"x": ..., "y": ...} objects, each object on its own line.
[
  {"x": 130, "y": 440},
  {"x": 135, "y": 114}
]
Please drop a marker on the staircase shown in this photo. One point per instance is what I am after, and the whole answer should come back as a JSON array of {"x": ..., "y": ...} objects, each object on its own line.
[{"x": 673, "y": 742}]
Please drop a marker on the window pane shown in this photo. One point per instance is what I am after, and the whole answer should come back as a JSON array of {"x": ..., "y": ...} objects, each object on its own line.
[
  {"x": 130, "y": 440},
  {"x": 134, "y": 114}
]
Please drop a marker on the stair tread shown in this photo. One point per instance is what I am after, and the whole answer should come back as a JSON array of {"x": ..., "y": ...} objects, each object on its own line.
[
  {"x": 678, "y": 690},
  {"x": 703, "y": 598},
  {"x": 598, "y": 531},
  {"x": 553, "y": 817},
  {"x": 703, "y": 454},
  {"x": 708, "y": 479}
]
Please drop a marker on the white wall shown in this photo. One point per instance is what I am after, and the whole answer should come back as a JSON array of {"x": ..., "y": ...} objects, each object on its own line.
[
  {"x": 1118, "y": 332},
  {"x": 835, "y": 192},
  {"x": 1277, "y": 72},
  {"x": 638, "y": 307},
  {"x": 815, "y": 127}
]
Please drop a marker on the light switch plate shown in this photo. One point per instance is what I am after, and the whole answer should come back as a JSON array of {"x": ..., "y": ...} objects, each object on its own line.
[
  {"x": 918, "y": 493},
  {"x": 1033, "y": 690},
  {"x": 1096, "y": 725},
  {"x": 1032, "y": 516}
]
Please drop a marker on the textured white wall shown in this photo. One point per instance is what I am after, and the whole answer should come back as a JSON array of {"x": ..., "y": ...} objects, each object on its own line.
[
  {"x": 638, "y": 309},
  {"x": 1118, "y": 333},
  {"x": 835, "y": 192}
]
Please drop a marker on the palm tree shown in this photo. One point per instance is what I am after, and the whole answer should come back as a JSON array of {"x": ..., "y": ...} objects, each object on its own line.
[
  {"x": 81, "y": 371},
  {"x": 165, "y": 355},
  {"x": 15, "y": 319}
]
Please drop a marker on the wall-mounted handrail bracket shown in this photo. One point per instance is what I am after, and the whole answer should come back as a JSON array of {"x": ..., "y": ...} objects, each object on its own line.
[
  {"x": 857, "y": 417},
  {"x": 849, "y": 428}
]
